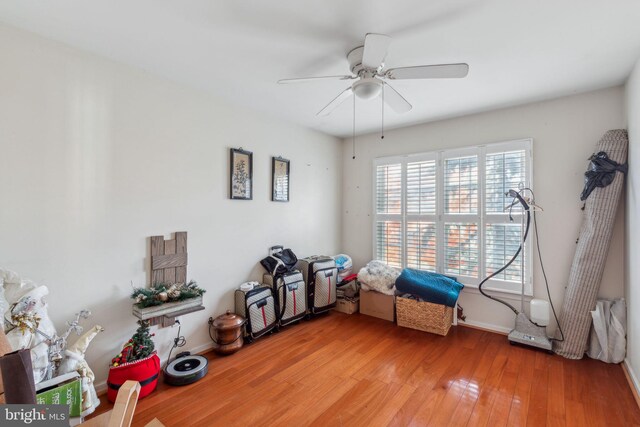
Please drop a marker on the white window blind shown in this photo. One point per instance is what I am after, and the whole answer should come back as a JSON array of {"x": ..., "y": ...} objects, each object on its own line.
[
  {"x": 389, "y": 236},
  {"x": 461, "y": 185},
  {"x": 389, "y": 189},
  {"x": 389, "y": 242},
  {"x": 461, "y": 249},
  {"x": 501, "y": 242},
  {"x": 421, "y": 245},
  {"x": 445, "y": 211},
  {"x": 503, "y": 171},
  {"x": 421, "y": 213},
  {"x": 421, "y": 188},
  {"x": 460, "y": 214}
]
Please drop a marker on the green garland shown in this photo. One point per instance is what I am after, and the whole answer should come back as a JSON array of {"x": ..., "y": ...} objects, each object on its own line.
[{"x": 162, "y": 293}]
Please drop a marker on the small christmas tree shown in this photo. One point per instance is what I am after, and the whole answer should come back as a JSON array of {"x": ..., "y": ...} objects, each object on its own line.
[
  {"x": 142, "y": 343},
  {"x": 138, "y": 347}
]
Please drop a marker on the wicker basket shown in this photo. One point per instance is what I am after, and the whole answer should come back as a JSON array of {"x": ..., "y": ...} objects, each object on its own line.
[{"x": 424, "y": 316}]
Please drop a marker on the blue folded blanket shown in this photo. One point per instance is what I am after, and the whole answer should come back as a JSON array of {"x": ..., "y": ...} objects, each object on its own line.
[{"x": 431, "y": 287}]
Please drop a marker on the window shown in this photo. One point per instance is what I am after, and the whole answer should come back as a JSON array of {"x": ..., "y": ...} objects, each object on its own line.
[{"x": 445, "y": 211}]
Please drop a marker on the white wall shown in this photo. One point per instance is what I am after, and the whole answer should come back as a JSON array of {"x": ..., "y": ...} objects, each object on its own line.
[
  {"x": 632, "y": 292},
  {"x": 97, "y": 156},
  {"x": 564, "y": 132}
]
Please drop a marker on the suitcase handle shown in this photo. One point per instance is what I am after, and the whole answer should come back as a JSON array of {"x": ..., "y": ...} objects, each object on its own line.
[
  {"x": 261, "y": 303},
  {"x": 275, "y": 249}
]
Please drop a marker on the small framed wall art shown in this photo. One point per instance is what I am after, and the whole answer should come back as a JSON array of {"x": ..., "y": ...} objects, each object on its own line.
[
  {"x": 280, "y": 169},
  {"x": 241, "y": 174}
]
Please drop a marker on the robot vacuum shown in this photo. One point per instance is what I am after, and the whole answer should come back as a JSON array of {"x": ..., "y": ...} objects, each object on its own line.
[{"x": 186, "y": 369}]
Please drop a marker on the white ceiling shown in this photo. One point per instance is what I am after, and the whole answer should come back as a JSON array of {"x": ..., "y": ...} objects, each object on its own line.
[{"x": 519, "y": 51}]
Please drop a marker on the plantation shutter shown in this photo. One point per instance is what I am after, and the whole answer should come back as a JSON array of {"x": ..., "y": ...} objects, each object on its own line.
[
  {"x": 501, "y": 242},
  {"x": 445, "y": 211},
  {"x": 388, "y": 226},
  {"x": 421, "y": 214},
  {"x": 504, "y": 170},
  {"x": 461, "y": 216}
]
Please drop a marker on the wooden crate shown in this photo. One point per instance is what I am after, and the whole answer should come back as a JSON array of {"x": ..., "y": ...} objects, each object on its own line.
[{"x": 424, "y": 316}]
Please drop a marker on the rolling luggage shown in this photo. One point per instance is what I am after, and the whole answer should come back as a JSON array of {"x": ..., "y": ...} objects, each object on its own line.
[
  {"x": 291, "y": 296},
  {"x": 320, "y": 274},
  {"x": 258, "y": 306}
]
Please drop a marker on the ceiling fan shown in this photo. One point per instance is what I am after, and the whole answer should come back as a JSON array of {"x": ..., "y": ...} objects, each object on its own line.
[{"x": 368, "y": 70}]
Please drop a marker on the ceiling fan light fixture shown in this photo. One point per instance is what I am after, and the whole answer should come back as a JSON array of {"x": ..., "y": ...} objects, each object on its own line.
[{"x": 367, "y": 88}]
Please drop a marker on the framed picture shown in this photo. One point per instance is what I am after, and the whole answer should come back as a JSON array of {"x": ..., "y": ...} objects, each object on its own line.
[
  {"x": 241, "y": 175},
  {"x": 280, "y": 169}
]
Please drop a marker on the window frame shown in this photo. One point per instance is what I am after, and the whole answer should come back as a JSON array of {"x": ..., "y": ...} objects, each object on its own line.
[{"x": 482, "y": 218}]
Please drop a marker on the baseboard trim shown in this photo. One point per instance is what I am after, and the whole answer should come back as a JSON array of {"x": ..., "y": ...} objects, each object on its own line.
[
  {"x": 632, "y": 379},
  {"x": 488, "y": 327},
  {"x": 101, "y": 387}
]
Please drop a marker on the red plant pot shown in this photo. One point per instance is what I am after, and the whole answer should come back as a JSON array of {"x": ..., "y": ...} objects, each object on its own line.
[{"x": 145, "y": 371}]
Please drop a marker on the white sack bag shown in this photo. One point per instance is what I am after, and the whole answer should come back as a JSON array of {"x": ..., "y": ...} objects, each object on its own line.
[{"x": 608, "y": 333}]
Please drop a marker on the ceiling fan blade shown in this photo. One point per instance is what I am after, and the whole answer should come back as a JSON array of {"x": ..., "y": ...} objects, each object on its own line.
[
  {"x": 375, "y": 50},
  {"x": 442, "y": 71},
  {"x": 335, "y": 102},
  {"x": 396, "y": 101},
  {"x": 311, "y": 79}
]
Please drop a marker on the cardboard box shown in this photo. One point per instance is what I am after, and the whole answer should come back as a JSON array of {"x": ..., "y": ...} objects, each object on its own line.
[
  {"x": 378, "y": 305},
  {"x": 347, "y": 306},
  {"x": 67, "y": 393}
]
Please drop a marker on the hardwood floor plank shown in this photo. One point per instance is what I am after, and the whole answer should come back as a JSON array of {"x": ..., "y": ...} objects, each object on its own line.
[
  {"x": 427, "y": 376},
  {"x": 359, "y": 396},
  {"x": 502, "y": 402},
  {"x": 468, "y": 399},
  {"x": 449, "y": 383},
  {"x": 388, "y": 408},
  {"x": 482, "y": 408},
  {"x": 442, "y": 412},
  {"x": 359, "y": 371},
  {"x": 574, "y": 414},
  {"x": 537, "y": 410},
  {"x": 520, "y": 402},
  {"x": 305, "y": 412},
  {"x": 555, "y": 394}
]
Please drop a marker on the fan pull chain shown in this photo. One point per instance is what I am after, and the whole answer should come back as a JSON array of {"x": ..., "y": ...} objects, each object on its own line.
[
  {"x": 353, "y": 139},
  {"x": 382, "y": 126}
]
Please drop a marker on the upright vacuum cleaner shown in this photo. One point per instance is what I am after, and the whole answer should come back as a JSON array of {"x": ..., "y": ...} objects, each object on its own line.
[{"x": 525, "y": 332}]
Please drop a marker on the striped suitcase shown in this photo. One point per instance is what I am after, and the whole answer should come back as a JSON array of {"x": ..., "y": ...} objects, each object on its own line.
[
  {"x": 291, "y": 296},
  {"x": 259, "y": 308},
  {"x": 320, "y": 274}
]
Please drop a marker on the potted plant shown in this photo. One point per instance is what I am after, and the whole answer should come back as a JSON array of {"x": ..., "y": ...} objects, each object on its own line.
[{"x": 137, "y": 361}]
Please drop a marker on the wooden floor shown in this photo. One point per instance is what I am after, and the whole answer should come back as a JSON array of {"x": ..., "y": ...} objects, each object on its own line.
[{"x": 360, "y": 371}]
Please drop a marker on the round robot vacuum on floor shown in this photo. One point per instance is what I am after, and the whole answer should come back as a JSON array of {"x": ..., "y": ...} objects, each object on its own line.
[{"x": 186, "y": 370}]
